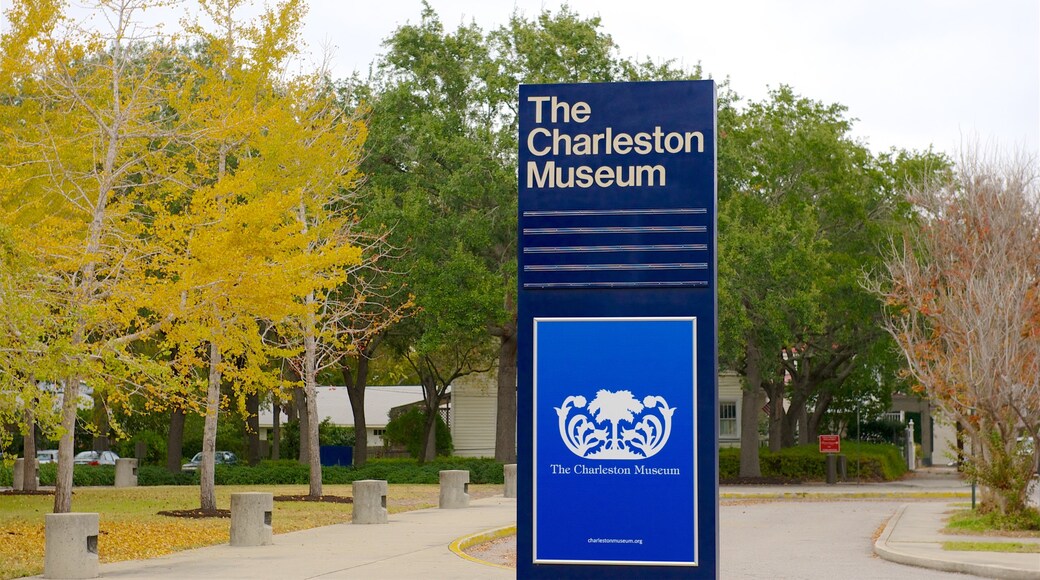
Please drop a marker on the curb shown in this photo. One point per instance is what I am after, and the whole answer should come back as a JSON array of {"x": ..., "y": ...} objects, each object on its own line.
[
  {"x": 464, "y": 542},
  {"x": 925, "y": 495},
  {"x": 883, "y": 550}
]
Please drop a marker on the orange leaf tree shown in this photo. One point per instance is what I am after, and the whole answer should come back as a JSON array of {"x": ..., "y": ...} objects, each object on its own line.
[{"x": 961, "y": 293}]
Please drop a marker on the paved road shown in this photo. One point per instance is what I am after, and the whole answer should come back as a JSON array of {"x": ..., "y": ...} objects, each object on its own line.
[{"x": 809, "y": 540}]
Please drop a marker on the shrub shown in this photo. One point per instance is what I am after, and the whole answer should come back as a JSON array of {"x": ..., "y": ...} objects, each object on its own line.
[
  {"x": 882, "y": 431},
  {"x": 407, "y": 429},
  {"x": 154, "y": 475},
  {"x": 87, "y": 475},
  {"x": 289, "y": 472},
  {"x": 155, "y": 442},
  {"x": 329, "y": 434},
  {"x": 869, "y": 461}
]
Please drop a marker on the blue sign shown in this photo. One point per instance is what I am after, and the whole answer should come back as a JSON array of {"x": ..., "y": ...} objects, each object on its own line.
[
  {"x": 617, "y": 359},
  {"x": 621, "y": 437}
]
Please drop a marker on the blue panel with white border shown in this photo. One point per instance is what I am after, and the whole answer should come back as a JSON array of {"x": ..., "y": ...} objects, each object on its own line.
[{"x": 608, "y": 432}]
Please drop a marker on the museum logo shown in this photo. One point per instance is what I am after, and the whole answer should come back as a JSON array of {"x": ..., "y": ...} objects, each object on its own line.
[{"x": 615, "y": 425}]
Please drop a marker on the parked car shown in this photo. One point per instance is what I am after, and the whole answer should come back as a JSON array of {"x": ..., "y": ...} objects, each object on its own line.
[
  {"x": 95, "y": 458},
  {"x": 47, "y": 456},
  {"x": 225, "y": 457}
]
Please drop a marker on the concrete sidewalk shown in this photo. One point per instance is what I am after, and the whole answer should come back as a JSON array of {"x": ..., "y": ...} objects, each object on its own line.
[
  {"x": 913, "y": 537},
  {"x": 415, "y": 544},
  {"x": 412, "y": 545}
]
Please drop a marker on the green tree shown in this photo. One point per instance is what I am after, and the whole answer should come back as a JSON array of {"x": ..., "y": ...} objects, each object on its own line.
[
  {"x": 443, "y": 151},
  {"x": 803, "y": 208},
  {"x": 408, "y": 429}
]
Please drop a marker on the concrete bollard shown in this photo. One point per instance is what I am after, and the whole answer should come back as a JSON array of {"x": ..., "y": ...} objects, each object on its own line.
[
  {"x": 251, "y": 519},
  {"x": 126, "y": 473},
  {"x": 19, "y": 474},
  {"x": 509, "y": 471},
  {"x": 70, "y": 546},
  {"x": 454, "y": 489},
  {"x": 369, "y": 502}
]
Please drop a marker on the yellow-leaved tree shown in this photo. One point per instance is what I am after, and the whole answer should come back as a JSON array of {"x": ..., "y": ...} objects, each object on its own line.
[
  {"x": 227, "y": 241},
  {"x": 25, "y": 357},
  {"x": 87, "y": 130},
  {"x": 311, "y": 153}
]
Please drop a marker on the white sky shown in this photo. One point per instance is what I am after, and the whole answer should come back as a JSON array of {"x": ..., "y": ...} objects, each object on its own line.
[{"x": 914, "y": 73}]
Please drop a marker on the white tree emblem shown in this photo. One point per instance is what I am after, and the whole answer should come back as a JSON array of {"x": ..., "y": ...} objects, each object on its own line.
[{"x": 584, "y": 432}]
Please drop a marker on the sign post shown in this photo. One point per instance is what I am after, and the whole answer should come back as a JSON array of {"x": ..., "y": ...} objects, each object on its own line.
[{"x": 617, "y": 360}]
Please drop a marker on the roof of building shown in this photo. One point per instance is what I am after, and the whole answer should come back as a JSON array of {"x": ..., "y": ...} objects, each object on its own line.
[{"x": 334, "y": 403}]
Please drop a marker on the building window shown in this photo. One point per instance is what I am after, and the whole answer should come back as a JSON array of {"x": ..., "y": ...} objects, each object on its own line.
[
  {"x": 378, "y": 432},
  {"x": 728, "y": 419}
]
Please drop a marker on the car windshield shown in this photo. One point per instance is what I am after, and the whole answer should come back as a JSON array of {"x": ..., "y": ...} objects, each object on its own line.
[
  {"x": 86, "y": 455},
  {"x": 197, "y": 458}
]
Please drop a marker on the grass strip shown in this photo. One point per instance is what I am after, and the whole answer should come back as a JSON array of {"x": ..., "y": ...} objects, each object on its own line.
[
  {"x": 973, "y": 522},
  {"x": 1012, "y": 547}
]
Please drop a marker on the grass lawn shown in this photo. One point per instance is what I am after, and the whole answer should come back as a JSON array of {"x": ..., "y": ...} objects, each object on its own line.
[{"x": 131, "y": 529}]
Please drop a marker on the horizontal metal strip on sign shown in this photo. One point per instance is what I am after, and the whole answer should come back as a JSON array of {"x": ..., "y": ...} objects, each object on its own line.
[
  {"x": 615, "y": 230},
  {"x": 579, "y": 212},
  {"x": 621, "y": 248},
  {"x": 603, "y": 267},
  {"x": 661, "y": 284}
]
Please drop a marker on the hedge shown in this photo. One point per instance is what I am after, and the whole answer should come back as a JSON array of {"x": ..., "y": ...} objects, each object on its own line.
[
  {"x": 282, "y": 472},
  {"x": 82, "y": 475},
  {"x": 867, "y": 461}
]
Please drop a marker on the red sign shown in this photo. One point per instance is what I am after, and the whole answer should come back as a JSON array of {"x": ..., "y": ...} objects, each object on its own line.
[{"x": 830, "y": 444}]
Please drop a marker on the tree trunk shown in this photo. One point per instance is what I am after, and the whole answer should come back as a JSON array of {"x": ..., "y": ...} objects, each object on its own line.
[
  {"x": 775, "y": 393},
  {"x": 175, "y": 441},
  {"x": 790, "y": 432},
  {"x": 300, "y": 402},
  {"x": 207, "y": 495},
  {"x": 823, "y": 402},
  {"x": 788, "y": 428},
  {"x": 100, "y": 415},
  {"x": 356, "y": 391},
  {"x": 29, "y": 449},
  {"x": 750, "y": 403},
  {"x": 792, "y": 427},
  {"x": 66, "y": 447},
  {"x": 430, "y": 441},
  {"x": 431, "y": 400},
  {"x": 253, "y": 427},
  {"x": 276, "y": 430},
  {"x": 310, "y": 382},
  {"x": 505, "y": 415},
  {"x": 289, "y": 375}
]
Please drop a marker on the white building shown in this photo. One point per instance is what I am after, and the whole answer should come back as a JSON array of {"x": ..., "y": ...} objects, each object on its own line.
[
  {"x": 730, "y": 395},
  {"x": 474, "y": 411},
  {"x": 334, "y": 403}
]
